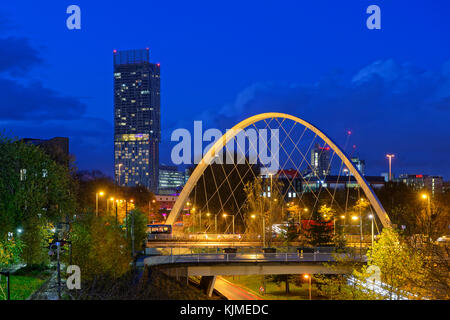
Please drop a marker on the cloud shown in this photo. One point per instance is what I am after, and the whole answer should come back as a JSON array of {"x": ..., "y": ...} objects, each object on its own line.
[
  {"x": 90, "y": 139},
  {"x": 35, "y": 102},
  {"x": 17, "y": 55},
  {"x": 29, "y": 109},
  {"x": 390, "y": 107}
]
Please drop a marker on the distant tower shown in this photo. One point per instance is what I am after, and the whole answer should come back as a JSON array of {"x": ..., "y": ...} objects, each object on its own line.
[
  {"x": 320, "y": 160},
  {"x": 137, "y": 130}
]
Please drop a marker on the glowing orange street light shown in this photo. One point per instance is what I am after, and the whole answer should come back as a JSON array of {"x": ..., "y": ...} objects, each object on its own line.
[
  {"x": 107, "y": 204},
  {"x": 232, "y": 216},
  {"x": 101, "y": 193},
  {"x": 390, "y": 156},
  {"x": 307, "y": 276},
  {"x": 426, "y": 197}
]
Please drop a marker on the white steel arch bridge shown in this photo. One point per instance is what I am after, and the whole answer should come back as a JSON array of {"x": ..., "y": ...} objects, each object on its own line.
[{"x": 219, "y": 145}]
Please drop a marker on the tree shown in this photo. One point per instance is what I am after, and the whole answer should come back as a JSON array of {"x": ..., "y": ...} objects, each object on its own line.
[
  {"x": 280, "y": 278},
  {"x": 319, "y": 231},
  {"x": 259, "y": 207},
  {"x": 402, "y": 268},
  {"x": 337, "y": 286},
  {"x": 99, "y": 247},
  {"x": 10, "y": 251},
  {"x": 137, "y": 221},
  {"x": 34, "y": 191}
]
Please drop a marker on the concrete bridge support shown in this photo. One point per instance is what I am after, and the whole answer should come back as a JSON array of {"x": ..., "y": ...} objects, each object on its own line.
[{"x": 207, "y": 284}]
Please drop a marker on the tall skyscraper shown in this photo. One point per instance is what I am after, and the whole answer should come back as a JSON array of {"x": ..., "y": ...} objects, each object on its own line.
[
  {"x": 137, "y": 130},
  {"x": 320, "y": 160}
]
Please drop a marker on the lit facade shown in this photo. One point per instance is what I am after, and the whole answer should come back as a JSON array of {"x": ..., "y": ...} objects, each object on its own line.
[
  {"x": 170, "y": 179},
  {"x": 136, "y": 119},
  {"x": 320, "y": 160},
  {"x": 434, "y": 184}
]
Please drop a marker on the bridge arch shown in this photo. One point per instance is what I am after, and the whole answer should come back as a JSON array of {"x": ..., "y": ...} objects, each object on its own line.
[{"x": 219, "y": 144}]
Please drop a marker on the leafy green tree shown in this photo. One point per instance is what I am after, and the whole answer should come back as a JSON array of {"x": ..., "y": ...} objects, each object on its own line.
[
  {"x": 99, "y": 247},
  {"x": 278, "y": 279},
  {"x": 259, "y": 207},
  {"x": 137, "y": 221},
  {"x": 320, "y": 231},
  {"x": 10, "y": 251},
  {"x": 34, "y": 191},
  {"x": 402, "y": 268}
]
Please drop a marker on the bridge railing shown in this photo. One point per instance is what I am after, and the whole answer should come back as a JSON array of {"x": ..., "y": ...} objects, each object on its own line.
[
  {"x": 257, "y": 250},
  {"x": 251, "y": 257}
]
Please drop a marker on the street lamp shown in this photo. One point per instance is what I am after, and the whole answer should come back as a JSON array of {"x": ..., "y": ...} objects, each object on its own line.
[
  {"x": 215, "y": 223},
  {"x": 427, "y": 197},
  {"x": 107, "y": 204},
  {"x": 209, "y": 220},
  {"x": 225, "y": 215},
  {"x": 101, "y": 193},
  {"x": 390, "y": 156},
  {"x": 355, "y": 218},
  {"x": 307, "y": 276},
  {"x": 253, "y": 216},
  {"x": 371, "y": 217}
]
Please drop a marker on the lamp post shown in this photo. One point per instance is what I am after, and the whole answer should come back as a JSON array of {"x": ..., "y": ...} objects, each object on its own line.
[
  {"x": 253, "y": 216},
  {"x": 209, "y": 220},
  {"x": 107, "y": 204},
  {"x": 390, "y": 156},
  {"x": 355, "y": 218},
  {"x": 427, "y": 197},
  {"x": 126, "y": 214},
  {"x": 343, "y": 223},
  {"x": 307, "y": 276},
  {"x": 264, "y": 230},
  {"x": 300, "y": 218},
  {"x": 117, "y": 202},
  {"x": 101, "y": 193},
  {"x": 371, "y": 217},
  {"x": 215, "y": 223},
  {"x": 194, "y": 220},
  {"x": 225, "y": 215}
]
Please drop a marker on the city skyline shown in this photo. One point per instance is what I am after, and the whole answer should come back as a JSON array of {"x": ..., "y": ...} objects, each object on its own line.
[
  {"x": 225, "y": 153},
  {"x": 383, "y": 94}
]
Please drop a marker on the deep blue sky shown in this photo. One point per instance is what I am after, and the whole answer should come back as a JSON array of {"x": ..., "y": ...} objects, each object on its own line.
[{"x": 223, "y": 60}]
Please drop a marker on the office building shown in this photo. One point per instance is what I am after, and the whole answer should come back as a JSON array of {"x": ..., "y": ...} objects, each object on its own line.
[
  {"x": 57, "y": 148},
  {"x": 136, "y": 119},
  {"x": 433, "y": 184},
  {"x": 359, "y": 164},
  {"x": 320, "y": 160},
  {"x": 170, "y": 179}
]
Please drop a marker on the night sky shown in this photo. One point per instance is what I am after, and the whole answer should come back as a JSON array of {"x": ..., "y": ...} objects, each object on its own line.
[{"x": 224, "y": 60}]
